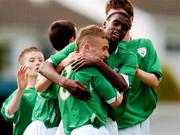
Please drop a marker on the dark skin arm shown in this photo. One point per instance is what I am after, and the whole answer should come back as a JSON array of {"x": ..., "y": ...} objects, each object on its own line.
[
  {"x": 114, "y": 78},
  {"x": 74, "y": 87}
]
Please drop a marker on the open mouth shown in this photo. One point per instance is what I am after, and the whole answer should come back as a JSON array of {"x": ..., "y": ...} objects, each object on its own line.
[
  {"x": 37, "y": 68},
  {"x": 116, "y": 35}
]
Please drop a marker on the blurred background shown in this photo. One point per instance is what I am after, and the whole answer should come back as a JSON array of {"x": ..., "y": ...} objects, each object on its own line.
[{"x": 24, "y": 23}]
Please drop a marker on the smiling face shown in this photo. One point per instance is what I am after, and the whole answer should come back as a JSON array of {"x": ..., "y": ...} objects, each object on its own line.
[{"x": 116, "y": 27}]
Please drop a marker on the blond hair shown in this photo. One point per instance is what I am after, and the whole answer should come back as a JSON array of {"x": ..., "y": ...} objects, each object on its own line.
[
  {"x": 25, "y": 51},
  {"x": 89, "y": 33}
]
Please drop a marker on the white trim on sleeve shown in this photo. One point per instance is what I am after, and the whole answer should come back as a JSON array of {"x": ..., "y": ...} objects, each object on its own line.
[
  {"x": 125, "y": 78},
  {"x": 111, "y": 100},
  {"x": 7, "y": 114}
]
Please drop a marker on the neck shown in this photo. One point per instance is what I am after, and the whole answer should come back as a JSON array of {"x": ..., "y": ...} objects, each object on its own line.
[
  {"x": 31, "y": 82},
  {"x": 127, "y": 37},
  {"x": 112, "y": 47}
]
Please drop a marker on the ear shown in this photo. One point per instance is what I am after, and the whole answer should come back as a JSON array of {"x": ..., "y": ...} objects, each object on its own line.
[
  {"x": 104, "y": 24},
  {"x": 131, "y": 18},
  {"x": 86, "y": 46},
  {"x": 71, "y": 39}
]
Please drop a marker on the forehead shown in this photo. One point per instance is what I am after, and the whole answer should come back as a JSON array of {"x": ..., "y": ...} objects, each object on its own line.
[
  {"x": 119, "y": 17},
  {"x": 101, "y": 42},
  {"x": 33, "y": 54}
]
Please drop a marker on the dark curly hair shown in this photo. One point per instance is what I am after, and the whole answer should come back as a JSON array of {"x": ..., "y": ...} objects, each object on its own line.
[{"x": 120, "y": 4}]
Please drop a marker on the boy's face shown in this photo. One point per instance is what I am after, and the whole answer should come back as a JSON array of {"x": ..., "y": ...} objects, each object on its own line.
[
  {"x": 116, "y": 27},
  {"x": 99, "y": 48},
  {"x": 33, "y": 60}
]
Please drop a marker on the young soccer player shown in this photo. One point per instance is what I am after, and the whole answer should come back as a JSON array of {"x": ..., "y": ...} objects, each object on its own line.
[
  {"x": 86, "y": 117},
  {"x": 120, "y": 60},
  {"x": 140, "y": 100},
  {"x": 19, "y": 105},
  {"x": 46, "y": 116}
]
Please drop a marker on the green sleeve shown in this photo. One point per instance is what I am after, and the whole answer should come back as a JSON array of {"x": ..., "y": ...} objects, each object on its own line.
[
  {"x": 58, "y": 57},
  {"x": 50, "y": 92},
  {"x": 13, "y": 118},
  {"x": 153, "y": 64},
  {"x": 104, "y": 89},
  {"x": 128, "y": 68}
]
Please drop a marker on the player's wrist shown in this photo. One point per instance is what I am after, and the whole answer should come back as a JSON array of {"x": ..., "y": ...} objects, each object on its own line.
[{"x": 62, "y": 81}]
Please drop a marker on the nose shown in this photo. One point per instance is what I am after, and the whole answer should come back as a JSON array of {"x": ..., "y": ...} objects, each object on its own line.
[
  {"x": 106, "y": 54},
  {"x": 119, "y": 27},
  {"x": 38, "y": 62}
]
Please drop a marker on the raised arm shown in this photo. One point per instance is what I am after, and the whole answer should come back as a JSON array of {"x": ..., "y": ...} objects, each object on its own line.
[{"x": 13, "y": 105}]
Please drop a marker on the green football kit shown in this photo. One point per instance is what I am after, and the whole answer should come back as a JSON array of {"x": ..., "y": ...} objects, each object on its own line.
[
  {"x": 75, "y": 112},
  {"x": 140, "y": 99},
  {"x": 22, "y": 117},
  {"x": 46, "y": 108},
  {"x": 121, "y": 60}
]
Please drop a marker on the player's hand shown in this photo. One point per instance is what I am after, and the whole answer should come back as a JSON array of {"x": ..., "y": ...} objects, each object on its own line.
[
  {"x": 84, "y": 60},
  {"x": 138, "y": 71},
  {"x": 22, "y": 78},
  {"x": 70, "y": 58},
  {"x": 76, "y": 89}
]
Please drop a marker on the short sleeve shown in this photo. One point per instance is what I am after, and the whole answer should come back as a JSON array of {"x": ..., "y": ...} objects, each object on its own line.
[
  {"x": 153, "y": 64},
  {"x": 59, "y": 56},
  {"x": 14, "y": 117},
  {"x": 128, "y": 68},
  {"x": 104, "y": 89}
]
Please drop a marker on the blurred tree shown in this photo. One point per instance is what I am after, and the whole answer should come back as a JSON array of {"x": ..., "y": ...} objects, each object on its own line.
[
  {"x": 168, "y": 89},
  {"x": 3, "y": 51}
]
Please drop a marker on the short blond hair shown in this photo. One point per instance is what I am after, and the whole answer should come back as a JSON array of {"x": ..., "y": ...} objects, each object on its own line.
[
  {"x": 25, "y": 51},
  {"x": 89, "y": 33}
]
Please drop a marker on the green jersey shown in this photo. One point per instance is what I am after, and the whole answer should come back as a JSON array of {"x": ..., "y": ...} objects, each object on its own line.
[
  {"x": 122, "y": 61},
  {"x": 22, "y": 117},
  {"x": 75, "y": 112},
  {"x": 46, "y": 108},
  {"x": 140, "y": 99}
]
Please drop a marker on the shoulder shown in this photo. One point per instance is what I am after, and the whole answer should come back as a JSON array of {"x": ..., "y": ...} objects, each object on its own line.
[
  {"x": 143, "y": 41},
  {"x": 124, "y": 52},
  {"x": 91, "y": 70}
]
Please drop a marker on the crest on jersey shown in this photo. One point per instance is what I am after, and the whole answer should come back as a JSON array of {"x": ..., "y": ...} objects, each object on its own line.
[{"x": 142, "y": 51}]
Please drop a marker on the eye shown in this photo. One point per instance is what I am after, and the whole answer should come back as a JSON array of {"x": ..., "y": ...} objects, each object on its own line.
[
  {"x": 124, "y": 27},
  {"x": 31, "y": 60},
  {"x": 40, "y": 60}
]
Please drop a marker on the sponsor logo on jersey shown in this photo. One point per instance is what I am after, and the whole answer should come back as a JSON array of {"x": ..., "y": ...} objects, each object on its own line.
[{"x": 142, "y": 51}]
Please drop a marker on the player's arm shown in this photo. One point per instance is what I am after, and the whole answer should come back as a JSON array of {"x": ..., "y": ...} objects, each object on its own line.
[
  {"x": 116, "y": 79},
  {"x": 105, "y": 90},
  {"x": 118, "y": 100},
  {"x": 43, "y": 83},
  {"x": 13, "y": 105},
  {"x": 148, "y": 78},
  {"x": 153, "y": 73},
  {"x": 73, "y": 86}
]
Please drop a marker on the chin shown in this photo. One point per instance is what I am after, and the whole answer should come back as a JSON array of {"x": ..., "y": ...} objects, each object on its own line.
[{"x": 33, "y": 73}]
